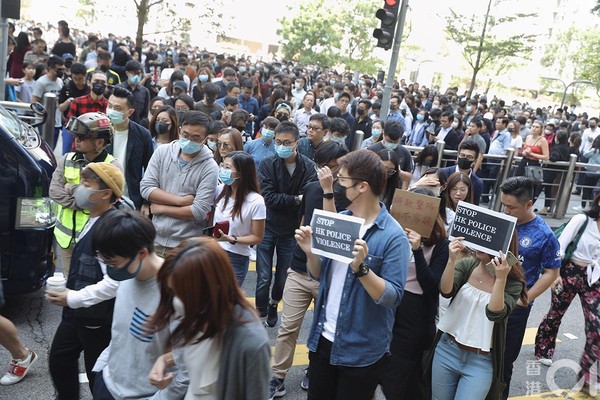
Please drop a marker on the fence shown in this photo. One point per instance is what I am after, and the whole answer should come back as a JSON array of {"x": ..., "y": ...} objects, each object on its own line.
[{"x": 568, "y": 173}]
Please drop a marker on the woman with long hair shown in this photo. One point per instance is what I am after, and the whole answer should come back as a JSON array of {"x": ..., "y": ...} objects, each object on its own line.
[
  {"x": 239, "y": 202},
  {"x": 219, "y": 338},
  {"x": 414, "y": 325},
  {"x": 163, "y": 126},
  {"x": 427, "y": 158},
  {"x": 592, "y": 173},
  {"x": 535, "y": 149},
  {"x": 376, "y": 134},
  {"x": 390, "y": 160},
  {"x": 229, "y": 139},
  {"x": 469, "y": 349},
  {"x": 579, "y": 275},
  {"x": 15, "y": 59},
  {"x": 458, "y": 189},
  {"x": 167, "y": 92},
  {"x": 204, "y": 75}
]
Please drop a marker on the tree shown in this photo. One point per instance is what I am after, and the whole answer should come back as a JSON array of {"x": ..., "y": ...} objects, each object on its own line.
[
  {"x": 480, "y": 42},
  {"x": 86, "y": 11},
  {"x": 333, "y": 36}
]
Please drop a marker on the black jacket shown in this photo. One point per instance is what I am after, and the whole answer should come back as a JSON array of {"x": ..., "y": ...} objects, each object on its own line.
[
  {"x": 139, "y": 151},
  {"x": 279, "y": 190}
]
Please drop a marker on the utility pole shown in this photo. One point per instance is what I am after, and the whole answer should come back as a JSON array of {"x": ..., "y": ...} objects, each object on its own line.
[{"x": 389, "y": 82}]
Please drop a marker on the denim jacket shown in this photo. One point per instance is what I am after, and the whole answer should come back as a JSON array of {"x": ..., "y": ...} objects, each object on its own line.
[{"x": 364, "y": 327}]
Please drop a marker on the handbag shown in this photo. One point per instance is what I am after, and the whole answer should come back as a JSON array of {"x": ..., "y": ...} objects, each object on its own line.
[
  {"x": 573, "y": 245},
  {"x": 535, "y": 173}
]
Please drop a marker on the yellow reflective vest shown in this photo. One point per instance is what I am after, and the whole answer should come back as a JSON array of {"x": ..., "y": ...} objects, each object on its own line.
[{"x": 69, "y": 222}]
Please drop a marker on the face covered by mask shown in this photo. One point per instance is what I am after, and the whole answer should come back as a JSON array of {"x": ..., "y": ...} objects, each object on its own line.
[
  {"x": 464, "y": 163},
  {"x": 284, "y": 151},
  {"x": 267, "y": 134},
  {"x": 134, "y": 79},
  {"x": 337, "y": 139},
  {"x": 212, "y": 145},
  {"x": 390, "y": 146},
  {"x": 161, "y": 127},
  {"x": 122, "y": 274},
  {"x": 82, "y": 197},
  {"x": 375, "y": 133},
  {"x": 339, "y": 197},
  {"x": 189, "y": 147},
  {"x": 225, "y": 175},
  {"x": 98, "y": 88},
  {"x": 203, "y": 78},
  {"x": 60, "y": 74},
  {"x": 116, "y": 117}
]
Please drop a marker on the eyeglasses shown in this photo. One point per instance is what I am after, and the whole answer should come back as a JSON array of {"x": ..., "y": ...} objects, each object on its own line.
[
  {"x": 182, "y": 109},
  {"x": 314, "y": 128},
  {"x": 287, "y": 143},
  {"x": 459, "y": 190},
  {"x": 348, "y": 177},
  {"x": 391, "y": 172},
  {"x": 195, "y": 138},
  {"x": 223, "y": 145},
  {"x": 470, "y": 158},
  {"x": 110, "y": 263},
  {"x": 281, "y": 115}
]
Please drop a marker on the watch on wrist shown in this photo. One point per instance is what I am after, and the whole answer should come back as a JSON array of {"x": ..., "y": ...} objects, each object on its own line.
[
  {"x": 363, "y": 269},
  {"x": 234, "y": 239},
  {"x": 328, "y": 196}
]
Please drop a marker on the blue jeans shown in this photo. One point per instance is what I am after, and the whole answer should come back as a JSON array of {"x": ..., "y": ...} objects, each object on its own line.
[
  {"x": 284, "y": 245},
  {"x": 240, "y": 266},
  {"x": 458, "y": 373},
  {"x": 515, "y": 332}
]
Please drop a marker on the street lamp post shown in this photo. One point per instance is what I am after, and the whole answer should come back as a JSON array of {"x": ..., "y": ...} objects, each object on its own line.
[
  {"x": 566, "y": 87},
  {"x": 416, "y": 77}
]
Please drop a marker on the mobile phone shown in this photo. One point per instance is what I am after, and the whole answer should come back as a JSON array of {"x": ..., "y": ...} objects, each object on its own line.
[
  {"x": 510, "y": 258},
  {"x": 208, "y": 231}
]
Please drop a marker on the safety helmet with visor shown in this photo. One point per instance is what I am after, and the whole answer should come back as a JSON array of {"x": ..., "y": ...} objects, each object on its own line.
[{"x": 93, "y": 125}]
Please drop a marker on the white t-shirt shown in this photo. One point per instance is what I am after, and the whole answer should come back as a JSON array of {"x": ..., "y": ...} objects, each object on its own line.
[
  {"x": 120, "y": 148},
  {"x": 339, "y": 270},
  {"x": 253, "y": 209}
]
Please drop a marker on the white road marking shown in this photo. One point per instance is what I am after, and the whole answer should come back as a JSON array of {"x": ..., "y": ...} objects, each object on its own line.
[
  {"x": 83, "y": 378},
  {"x": 570, "y": 336}
]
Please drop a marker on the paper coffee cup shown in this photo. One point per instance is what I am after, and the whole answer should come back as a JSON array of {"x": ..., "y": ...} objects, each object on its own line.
[{"x": 56, "y": 283}]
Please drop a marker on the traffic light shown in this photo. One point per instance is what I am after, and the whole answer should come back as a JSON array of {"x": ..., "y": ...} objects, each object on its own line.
[{"x": 388, "y": 16}]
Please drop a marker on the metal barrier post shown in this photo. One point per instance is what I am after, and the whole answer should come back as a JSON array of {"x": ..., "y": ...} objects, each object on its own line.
[
  {"x": 564, "y": 189},
  {"x": 439, "y": 145},
  {"x": 49, "y": 102},
  {"x": 510, "y": 154},
  {"x": 358, "y": 139}
]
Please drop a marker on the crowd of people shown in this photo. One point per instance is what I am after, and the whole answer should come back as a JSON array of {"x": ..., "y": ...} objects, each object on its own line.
[{"x": 180, "y": 166}]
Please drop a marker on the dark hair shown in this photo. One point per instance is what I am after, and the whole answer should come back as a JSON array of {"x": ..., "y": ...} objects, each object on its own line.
[
  {"x": 366, "y": 102},
  {"x": 123, "y": 93},
  {"x": 575, "y": 139},
  {"x": 276, "y": 94},
  {"x": 232, "y": 85},
  {"x": 216, "y": 127},
  {"x": 503, "y": 120},
  {"x": 240, "y": 114},
  {"x": 188, "y": 100},
  {"x": 477, "y": 121},
  {"x": 288, "y": 127},
  {"x": 428, "y": 151},
  {"x": 174, "y": 131},
  {"x": 334, "y": 112},
  {"x": 230, "y": 101},
  {"x": 237, "y": 142},
  {"x": 55, "y": 60},
  {"x": 91, "y": 175},
  {"x": 123, "y": 233},
  {"x": 133, "y": 65},
  {"x": 247, "y": 83},
  {"x": 194, "y": 117},
  {"x": 328, "y": 152},
  {"x": 323, "y": 119},
  {"x": 365, "y": 165},
  {"x": 594, "y": 210},
  {"x": 344, "y": 94},
  {"x": 562, "y": 137},
  {"x": 78, "y": 69},
  {"x": 448, "y": 115},
  {"x": 469, "y": 144},
  {"x": 22, "y": 42},
  {"x": 521, "y": 187},
  {"x": 394, "y": 130},
  {"x": 211, "y": 89},
  {"x": 270, "y": 122},
  {"x": 200, "y": 273},
  {"x": 245, "y": 184},
  {"x": 439, "y": 229},
  {"x": 228, "y": 72},
  {"x": 339, "y": 125}
]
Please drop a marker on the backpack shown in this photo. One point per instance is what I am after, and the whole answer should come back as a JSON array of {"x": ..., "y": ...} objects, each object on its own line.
[{"x": 573, "y": 245}]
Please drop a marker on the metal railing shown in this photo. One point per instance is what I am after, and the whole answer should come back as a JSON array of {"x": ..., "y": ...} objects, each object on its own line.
[
  {"x": 49, "y": 101},
  {"x": 569, "y": 171}
]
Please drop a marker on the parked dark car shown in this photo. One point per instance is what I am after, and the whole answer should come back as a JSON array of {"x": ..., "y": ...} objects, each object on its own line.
[{"x": 27, "y": 215}]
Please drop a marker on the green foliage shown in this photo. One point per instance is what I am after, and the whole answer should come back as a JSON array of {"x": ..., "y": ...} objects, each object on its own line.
[
  {"x": 484, "y": 41},
  {"x": 86, "y": 11},
  {"x": 324, "y": 35}
]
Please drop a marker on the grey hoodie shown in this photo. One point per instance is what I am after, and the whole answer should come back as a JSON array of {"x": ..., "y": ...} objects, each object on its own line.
[{"x": 198, "y": 177}]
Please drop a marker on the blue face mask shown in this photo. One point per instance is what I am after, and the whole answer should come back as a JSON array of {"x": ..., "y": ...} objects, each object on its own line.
[
  {"x": 134, "y": 79},
  {"x": 267, "y": 134},
  {"x": 116, "y": 117},
  {"x": 337, "y": 139},
  {"x": 242, "y": 69},
  {"x": 203, "y": 77},
  {"x": 122, "y": 274},
  {"x": 376, "y": 133},
  {"x": 189, "y": 147},
  {"x": 225, "y": 176},
  {"x": 420, "y": 117},
  {"x": 284, "y": 151},
  {"x": 390, "y": 146}
]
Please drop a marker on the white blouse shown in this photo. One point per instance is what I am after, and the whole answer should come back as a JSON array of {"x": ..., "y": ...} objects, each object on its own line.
[
  {"x": 465, "y": 318},
  {"x": 202, "y": 361}
]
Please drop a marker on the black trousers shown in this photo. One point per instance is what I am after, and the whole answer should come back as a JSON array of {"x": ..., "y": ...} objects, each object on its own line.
[
  {"x": 69, "y": 341},
  {"x": 100, "y": 390},
  {"x": 414, "y": 332},
  {"x": 332, "y": 382}
]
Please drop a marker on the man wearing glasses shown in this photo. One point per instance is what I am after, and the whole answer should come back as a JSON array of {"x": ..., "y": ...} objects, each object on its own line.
[
  {"x": 468, "y": 153},
  {"x": 93, "y": 133},
  {"x": 283, "y": 178},
  {"x": 180, "y": 184},
  {"x": 317, "y": 128}
]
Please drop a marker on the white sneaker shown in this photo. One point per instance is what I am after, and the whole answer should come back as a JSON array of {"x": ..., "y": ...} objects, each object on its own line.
[
  {"x": 579, "y": 209},
  {"x": 253, "y": 253},
  {"x": 545, "y": 361},
  {"x": 18, "y": 369}
]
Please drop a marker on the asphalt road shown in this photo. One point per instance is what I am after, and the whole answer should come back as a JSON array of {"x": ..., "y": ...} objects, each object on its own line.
[{"x": 37, "y": 321}]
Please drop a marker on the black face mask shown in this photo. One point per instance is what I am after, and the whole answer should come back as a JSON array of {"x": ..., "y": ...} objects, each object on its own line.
[
  {"x": 161, "y": 127},
  {"x": 463, "y": 163},
  {"x": 104, "y": 68},
  {"x": 282, "y": 117},
  {"x": 360, "y": 111},
  {"x": 98, "y": 88},
  {"x": 339, "y": 197},
  {"x": 427, "y": 163},
  {"x": 60, "y": 74}
]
